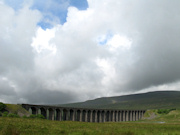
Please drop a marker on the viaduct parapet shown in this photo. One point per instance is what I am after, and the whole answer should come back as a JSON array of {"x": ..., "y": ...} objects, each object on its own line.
[{"x": 84, "y": 114}]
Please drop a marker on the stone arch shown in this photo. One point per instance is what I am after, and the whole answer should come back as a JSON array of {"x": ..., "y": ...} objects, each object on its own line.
[
  {"x": 112, "y": 116},
  {"x": 65, "y": 114},
  {"x": 94, "y": 116},
  {"x": 126, "y": 115},
  {"x": 103, "y": 116},
  {"x": 138, "y": 115},
  {"x": 43, "y": 112},
  {"x": 58, "y": 114},
  {"x": 79, "y": 115},
  {"x": 129, "y": 115},
  {"x": 132, "y": 115},
  {"x": 51, "y": 114},
  {"x": 135, "y": 115},
  {"x": 98, "y": 116},
  {"x": 119, "y": 115},
  {"x": 122, "y": 116},
  {"x": 107, "y": 116},
  {"x": 72, "y": 114},
  {"x": 89, "y": 116},
  {"x": 34, "y": 110},
  {"x": 84, "y": 115},
  {"x": 115, "y": 116}
]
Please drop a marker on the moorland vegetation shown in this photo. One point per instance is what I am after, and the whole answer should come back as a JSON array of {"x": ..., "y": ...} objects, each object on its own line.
[{"x": 155, "y": 122}]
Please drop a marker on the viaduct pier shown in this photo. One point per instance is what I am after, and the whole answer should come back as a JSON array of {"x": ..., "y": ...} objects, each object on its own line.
[{"x": 84, "y": 114}]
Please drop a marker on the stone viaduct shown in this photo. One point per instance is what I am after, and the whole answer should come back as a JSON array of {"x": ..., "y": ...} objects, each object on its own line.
[{"x": 84, "y": 114}]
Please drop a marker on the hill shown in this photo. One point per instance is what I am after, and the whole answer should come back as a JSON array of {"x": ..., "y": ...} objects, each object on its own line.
[
  {"x": 150, "y": 100},
  {"x": 17, "y": 109}
]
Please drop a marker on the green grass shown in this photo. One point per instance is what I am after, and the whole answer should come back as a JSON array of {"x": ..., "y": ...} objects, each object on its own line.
[
  {"x": 22, "y": 126},
  {"x": 159, "y": 124},
  {"x": 172, "y": 117},
  {"x": 16, "y": 109}
]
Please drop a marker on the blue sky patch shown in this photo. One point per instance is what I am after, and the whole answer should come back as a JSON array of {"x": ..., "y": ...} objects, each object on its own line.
[
  {"x": 52, "y": 10},
  {"x": 15, "y": 4},
  {"x": 102, "y": 40}
]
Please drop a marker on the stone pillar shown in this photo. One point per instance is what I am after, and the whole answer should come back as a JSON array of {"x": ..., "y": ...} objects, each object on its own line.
[
  {"x": 67, "y": 115},
  {"x": 38, "y": 111},
  {"x": 91, "y": 113},
  {"x": 130, "y": 114},
  {"x": 127, "y": 115},
  {"x": 80, "y": 119},
  {"x": 124, "y": 116},
  {"x": 95, "y": 116},
  {"x": 47, "y": 114},
  {"x": 60, "y": 115},
  {"x": 137, "y": 113},
  {"x": 74, "y": 115},
  {"x": 104, "y": 117},
  {"x": 134, "y": 116},
  {"x": 113, "y": 118},
  {"x": 119, "y": 116},
  {"x": 110, "y": 116},
  {"x": 29, "y": 110},
  {"x": 86, "y": 116},
  {"x": 140, "y": 115},
  {"x": 53, "y": 114}
]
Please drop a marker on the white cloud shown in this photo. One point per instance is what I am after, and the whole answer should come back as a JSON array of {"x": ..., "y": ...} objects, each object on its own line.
[
  {"x": 67, "y": 63},
  {"x": 118, "y": 41},
  {"x": 42, "y": 40}
]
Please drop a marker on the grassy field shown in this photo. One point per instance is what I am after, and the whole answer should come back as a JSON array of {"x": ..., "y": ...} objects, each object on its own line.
[{"x": 22, "y": 126}]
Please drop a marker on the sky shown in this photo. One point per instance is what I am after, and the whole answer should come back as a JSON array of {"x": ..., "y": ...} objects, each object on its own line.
[{"x": 64, "y": 51}]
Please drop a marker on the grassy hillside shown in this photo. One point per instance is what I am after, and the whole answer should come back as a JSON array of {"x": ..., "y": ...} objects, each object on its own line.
[
  {"x": 17, "y": 109},
  {"x": 153, "y": 116},
  {"x": 150, "y": 100}
]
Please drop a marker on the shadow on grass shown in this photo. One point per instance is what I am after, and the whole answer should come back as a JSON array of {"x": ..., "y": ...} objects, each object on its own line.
[{"x": 10, "y": 130}]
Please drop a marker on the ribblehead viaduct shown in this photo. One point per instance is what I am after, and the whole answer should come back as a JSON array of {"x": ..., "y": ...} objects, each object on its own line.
[{"x": 84, "y": 115}]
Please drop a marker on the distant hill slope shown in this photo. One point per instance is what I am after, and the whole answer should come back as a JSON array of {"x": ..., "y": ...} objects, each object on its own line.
[
  {"x": 17, "y": 109},
  {"x": 150, "y": 100}
]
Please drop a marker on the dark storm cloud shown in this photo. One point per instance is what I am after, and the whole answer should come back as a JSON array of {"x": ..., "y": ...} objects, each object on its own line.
[
  {"x": 48, "y": 97},
  {"x": 157, "y": 52},
  {"x": 6, "y": 89}
]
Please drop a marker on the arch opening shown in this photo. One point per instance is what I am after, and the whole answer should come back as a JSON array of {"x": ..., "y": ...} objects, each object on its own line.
[
  {"x": 94, "y": 116},
  {"x": 58, "y": 114},
  {"x": 78, "y": 115},
  {"x": 107, "y": 116},
  {"x": 89, "y": 116},
  {"x": 65, "y": 114},
  {"x": 51, "y": 114},
  {"x": 72, "y": 115},
  {"x": 43, "y": 112}
]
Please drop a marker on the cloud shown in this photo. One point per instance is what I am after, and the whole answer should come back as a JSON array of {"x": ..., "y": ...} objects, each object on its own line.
[{"x": 111, "y": 48}]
